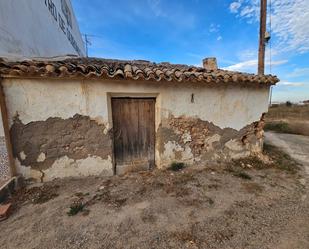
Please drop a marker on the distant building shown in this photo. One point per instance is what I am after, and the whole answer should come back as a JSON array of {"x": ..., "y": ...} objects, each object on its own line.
[
  {"x": 39, "y": 28},
  {"x": 88, "y": 116},
  {"x": 306, "y": 102}
]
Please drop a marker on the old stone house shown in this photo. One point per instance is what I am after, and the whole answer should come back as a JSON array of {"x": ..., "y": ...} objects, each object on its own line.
[{"x": 72, "y": 117}]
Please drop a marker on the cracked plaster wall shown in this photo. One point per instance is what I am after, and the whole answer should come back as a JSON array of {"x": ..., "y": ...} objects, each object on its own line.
[{"x": 213, "y": 111}]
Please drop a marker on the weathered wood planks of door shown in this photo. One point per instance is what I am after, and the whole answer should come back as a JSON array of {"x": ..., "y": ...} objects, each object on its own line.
[{"x": 134, "y": 133}]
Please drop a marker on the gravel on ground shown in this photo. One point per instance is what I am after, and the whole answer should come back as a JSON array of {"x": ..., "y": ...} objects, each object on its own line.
[{"x": 227, "y": 206}]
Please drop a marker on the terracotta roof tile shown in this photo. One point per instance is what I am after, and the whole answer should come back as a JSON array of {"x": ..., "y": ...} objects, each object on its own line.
[{"x": 131, "y": 70}]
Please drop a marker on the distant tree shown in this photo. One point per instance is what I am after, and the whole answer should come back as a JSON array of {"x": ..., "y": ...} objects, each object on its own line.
[
  {"x": 288, "y": 103},
  {"x": 306, "y": 102}
]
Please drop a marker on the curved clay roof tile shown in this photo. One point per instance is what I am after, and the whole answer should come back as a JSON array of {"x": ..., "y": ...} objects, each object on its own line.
[
  {"x": 119, "y": 73},
  {"x": 235, "y": 78},
  {"x": 92, "y": 74},
  {"x": 226, "y": 78},
  {"x": 22, "y": 68},
  {"x": 81, "y": 68},
  {"x": 15, "y": 72},
  {"x": 50, "y": 68},
  {"x": 128, "y": 71},
  {"x": 136, "y": 70},
  {"x": 159, "y": 73},
  {"x": 63, "y": 71}
]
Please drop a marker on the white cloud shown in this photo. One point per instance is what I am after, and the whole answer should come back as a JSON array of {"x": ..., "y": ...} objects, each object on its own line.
[
  {"x": 251, "y": 65},
  {"x": 234, "y": 6},
  {"x": 155, "y": 6},
  {"x": 241, "y": 66},
  {"x": 289, "y": 20},
  {"x": 247, "y": 54},
  {"x": 248, "y": 11},
  {"x": 214, "y": 28},
  {"x": 219, "y": 38},
  {"x": 175, "y": 13},
  {"x": 288, "y": 83},
  {"x": 298, "y": 72}
]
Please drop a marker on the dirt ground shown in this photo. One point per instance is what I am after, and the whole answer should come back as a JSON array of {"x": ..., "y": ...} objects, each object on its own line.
[
  {"x": 240, "y": 205},
  {"x": 296, "y": 146}
]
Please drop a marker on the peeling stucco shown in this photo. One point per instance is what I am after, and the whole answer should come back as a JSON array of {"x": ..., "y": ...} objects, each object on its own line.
[
  {"x": 40, "y": 144},
  {"x": 67, "y": 167},
  {"x": 205, "y": 142},
  {"x": 175, "y": 152},
  {"x": 59, "y": 127}
]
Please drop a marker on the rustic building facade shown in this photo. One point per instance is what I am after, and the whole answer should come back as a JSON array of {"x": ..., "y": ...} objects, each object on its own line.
[{"x": 77, "y": 117}]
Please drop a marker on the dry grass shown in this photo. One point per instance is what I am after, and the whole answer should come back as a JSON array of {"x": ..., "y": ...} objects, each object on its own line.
[
  {"x": 253, "y": 187},
  {"x": 282, "y": 111},
  {"x": 35, "y": 195},
  {"x": 290, "y": 126},
  {"x": 288, "y": 119},
  {"x": 281, "y": 160},
  {"x": 278, "y": 160}
]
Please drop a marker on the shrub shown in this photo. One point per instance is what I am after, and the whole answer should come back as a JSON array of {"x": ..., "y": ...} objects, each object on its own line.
[
  {"x": 176, "y": 166},
  {"x": 243, "y": 175},
  {"x": 281, "y": 159},
  {"x": 288, "y": 103},
  {"x": 281, "y": 127},
  {"x": 75, "y": 208}
]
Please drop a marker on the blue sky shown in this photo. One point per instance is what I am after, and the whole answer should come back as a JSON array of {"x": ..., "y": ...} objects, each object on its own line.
[{"x": 189, "y": 30}]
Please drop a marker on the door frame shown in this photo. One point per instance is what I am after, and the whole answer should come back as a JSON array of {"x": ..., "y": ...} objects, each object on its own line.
[{"x": 111, "y": 95}]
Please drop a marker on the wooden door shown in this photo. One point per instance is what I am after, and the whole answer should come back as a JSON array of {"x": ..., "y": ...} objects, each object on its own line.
[{"x": 134, "y": 133}]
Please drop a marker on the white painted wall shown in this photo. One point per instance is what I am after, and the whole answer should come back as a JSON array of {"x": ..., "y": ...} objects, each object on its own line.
[
  {"x": 28, "y": 29},
  {"x": 228, "y": 106},
  {"x": 39, "y": 99}
]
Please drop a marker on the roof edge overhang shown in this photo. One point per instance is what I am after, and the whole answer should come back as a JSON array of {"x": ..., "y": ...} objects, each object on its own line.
[{"x": 136, "y": 70}]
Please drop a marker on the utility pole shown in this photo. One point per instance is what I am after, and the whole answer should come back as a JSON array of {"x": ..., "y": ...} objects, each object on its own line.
[{"x": 261, "y": 60}]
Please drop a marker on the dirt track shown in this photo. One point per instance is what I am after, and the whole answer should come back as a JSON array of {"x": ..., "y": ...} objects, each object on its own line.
[
  {"x": 295, "y": 145},
  {"x": 297, "y": 231},
  {"x": 195, "y": 208}
]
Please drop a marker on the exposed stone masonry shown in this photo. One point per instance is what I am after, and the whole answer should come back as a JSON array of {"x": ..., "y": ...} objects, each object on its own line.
[
  {"x": 38, "y": 144},
  {"x": 254, "y": 136},
  {"x": 208, "y": 142}
]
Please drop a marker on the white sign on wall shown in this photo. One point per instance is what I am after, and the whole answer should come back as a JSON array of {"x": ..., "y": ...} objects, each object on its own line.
[
  {"x": 39, "y": 28},
  {"x": 64, "y": 20}
]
